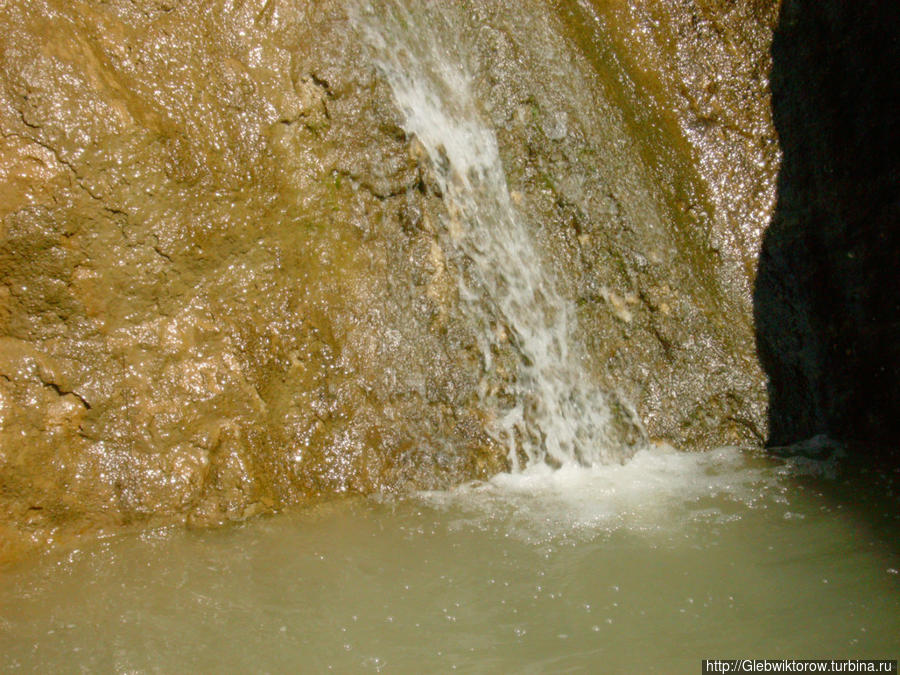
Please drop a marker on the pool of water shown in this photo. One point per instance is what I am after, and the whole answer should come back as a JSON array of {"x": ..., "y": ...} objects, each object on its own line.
[{"x": 648, "y": 566}]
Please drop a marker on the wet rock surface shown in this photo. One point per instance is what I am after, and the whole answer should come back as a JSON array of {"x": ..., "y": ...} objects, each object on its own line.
[
  {"x": 222, "y": 289},
  {"x": 669, "y": 297}
]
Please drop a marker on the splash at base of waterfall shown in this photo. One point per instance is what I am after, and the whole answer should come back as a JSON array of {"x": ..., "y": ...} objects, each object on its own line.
[{"x": 656, "y": 490}]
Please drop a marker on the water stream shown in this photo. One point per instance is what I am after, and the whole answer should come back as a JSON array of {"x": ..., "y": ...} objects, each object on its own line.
[{"x": 559, "y": 415}]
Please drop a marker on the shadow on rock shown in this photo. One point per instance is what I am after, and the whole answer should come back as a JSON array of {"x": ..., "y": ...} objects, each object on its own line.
[{"x": 827, "y": 297}]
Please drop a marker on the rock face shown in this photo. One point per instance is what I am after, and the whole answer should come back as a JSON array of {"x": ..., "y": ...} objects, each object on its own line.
[
  {"x": 222, "y": 289},
  {"x": 692, "y": 81}
]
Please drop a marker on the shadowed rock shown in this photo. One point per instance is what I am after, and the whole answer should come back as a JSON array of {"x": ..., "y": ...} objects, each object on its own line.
[{"x": 827, "y": 297}]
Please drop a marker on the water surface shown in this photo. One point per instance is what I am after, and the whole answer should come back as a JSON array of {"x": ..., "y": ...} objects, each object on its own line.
[{"x": 643, "y": 567}]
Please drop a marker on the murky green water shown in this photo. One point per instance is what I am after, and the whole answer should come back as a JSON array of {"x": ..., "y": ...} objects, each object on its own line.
[{"x": 646, "y": 567}]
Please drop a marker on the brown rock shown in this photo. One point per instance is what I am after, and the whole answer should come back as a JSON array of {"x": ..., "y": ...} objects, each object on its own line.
[{"x": 221, "y": 288}]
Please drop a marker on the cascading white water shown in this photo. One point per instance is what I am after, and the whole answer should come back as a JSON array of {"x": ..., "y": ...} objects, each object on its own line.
[{"x": 559, "y": 416}]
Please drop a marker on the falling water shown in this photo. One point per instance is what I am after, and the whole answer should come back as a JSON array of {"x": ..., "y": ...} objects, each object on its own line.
[{"x": 559, "y": 416}]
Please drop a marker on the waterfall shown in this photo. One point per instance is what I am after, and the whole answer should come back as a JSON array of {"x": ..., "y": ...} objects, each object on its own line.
[{"x": 559, "y": 416}]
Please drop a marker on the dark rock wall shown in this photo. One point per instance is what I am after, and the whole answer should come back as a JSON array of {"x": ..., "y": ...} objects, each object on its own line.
[{"x": 827, "y": 297}]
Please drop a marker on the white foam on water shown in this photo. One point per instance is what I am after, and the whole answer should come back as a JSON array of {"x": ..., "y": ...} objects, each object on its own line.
[
  {"x": 658, "y": 490},
  {"x": 559, "y": 415}
]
